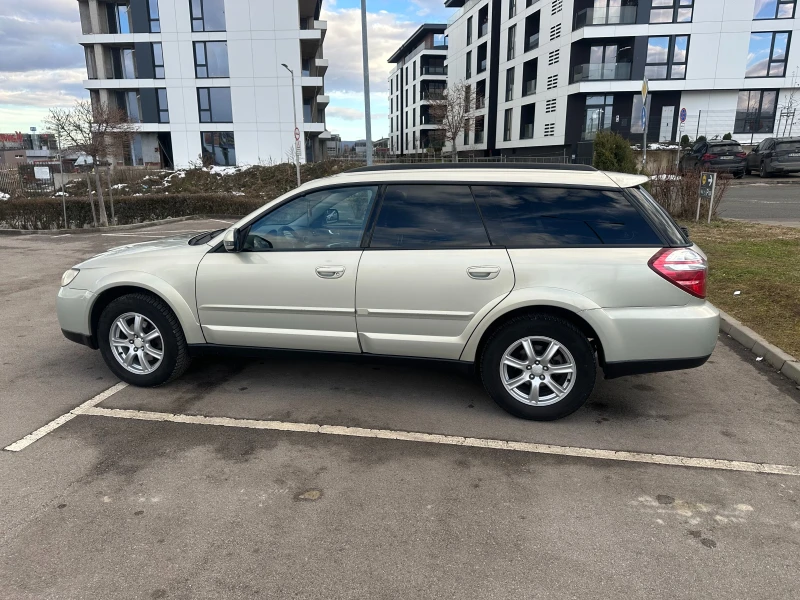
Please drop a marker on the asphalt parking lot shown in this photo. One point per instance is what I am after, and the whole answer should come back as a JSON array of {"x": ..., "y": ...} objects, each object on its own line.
[{"x": 279, "y": 477}]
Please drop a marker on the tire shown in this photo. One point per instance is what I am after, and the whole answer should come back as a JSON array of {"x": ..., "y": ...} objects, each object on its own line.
[
  {"x": 747, "y": 171},
  {"x": 155, "y": 317},
  {"x": 543, "y": 329},
  {"x": 764, "y": 172},
  {"x": 738, "y": 174}
]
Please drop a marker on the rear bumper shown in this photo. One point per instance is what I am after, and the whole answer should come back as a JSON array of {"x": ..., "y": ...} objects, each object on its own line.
[
  {"x": 784, "y": 167},
  {"x": 639, "y": 367},
  {"x": 658, "y": 337},
  {"x": 727, "y": 167}
]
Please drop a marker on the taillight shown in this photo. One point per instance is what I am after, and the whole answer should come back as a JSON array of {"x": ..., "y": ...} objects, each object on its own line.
[
  {"x": 741, "y": 154},
  {"x": 682, "y": 267},
  {"x": 707, "y": 157}
]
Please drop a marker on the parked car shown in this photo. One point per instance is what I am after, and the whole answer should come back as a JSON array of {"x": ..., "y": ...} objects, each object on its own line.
[
  {"x": 531, "y": 275},
  {"x": 721, "y": 156},
  {"x": 775, "y": 156}
]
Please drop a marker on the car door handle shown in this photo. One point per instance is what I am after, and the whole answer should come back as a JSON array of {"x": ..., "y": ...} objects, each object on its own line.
[
  {"x": 483, "y": 272},
  {"x": 330, "y": 272}
]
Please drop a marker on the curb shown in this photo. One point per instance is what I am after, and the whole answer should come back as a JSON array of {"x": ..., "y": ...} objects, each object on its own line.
[
  {"x": 786, "y": 364},
  {"x": 112, "y": 228}
]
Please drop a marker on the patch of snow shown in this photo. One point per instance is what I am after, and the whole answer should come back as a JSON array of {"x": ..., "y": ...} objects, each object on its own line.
[
  {"x": 4, "y": 196},
  {"x": 178, "y": 174},
  {"x": 665, "y": 177},
  {"x": 62, "y": 194},
  {"x": 119, "y": 186},
  {"x": 238, "y": 193},
  {"x": 663, "y": 146}
]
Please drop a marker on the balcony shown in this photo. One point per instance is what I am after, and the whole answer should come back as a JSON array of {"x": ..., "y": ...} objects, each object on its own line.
[
  {"x": 323, "y": 100},
  {"x": 529, "y": 87},
  {"x": 429, "y": 120},
  {"x": 433, "y": 70},
  {"x": 322, "y": 65},
  {"x": 602, "y": 72},
  {"x": 435, "y": 94},
  {"x": 610, "y": 15},
  {"x": 532, "y": 42}
]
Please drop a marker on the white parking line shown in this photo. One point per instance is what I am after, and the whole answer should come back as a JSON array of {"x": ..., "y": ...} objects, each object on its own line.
[{"x": 56, "y": 423}]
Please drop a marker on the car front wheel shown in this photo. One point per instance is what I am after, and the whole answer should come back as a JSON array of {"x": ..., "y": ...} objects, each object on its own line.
[
  {"x": 764, "y": 169},
  {"x": 538, "y": 367},
  {"x": 141, "y": 340}
]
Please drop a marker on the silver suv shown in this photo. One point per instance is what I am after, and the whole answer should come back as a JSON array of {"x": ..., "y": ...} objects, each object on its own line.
[{"x": 533, "y": 275}]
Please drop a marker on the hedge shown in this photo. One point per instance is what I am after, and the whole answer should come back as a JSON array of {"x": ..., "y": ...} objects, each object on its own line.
[{"x": 47, "y": 213}]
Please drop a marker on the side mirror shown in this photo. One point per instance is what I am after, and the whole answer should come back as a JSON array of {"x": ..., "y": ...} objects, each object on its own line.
[
  {"x": 331, "y": 216},
  {"x": 233, "y": 240}
]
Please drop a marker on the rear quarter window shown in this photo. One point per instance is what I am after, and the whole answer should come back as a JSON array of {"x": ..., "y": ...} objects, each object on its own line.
[
  {"x": 663, "y": 221},
  {"x": 532, "y": 216}
]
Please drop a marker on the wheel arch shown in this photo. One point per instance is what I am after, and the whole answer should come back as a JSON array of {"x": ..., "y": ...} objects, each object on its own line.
[
  {"x": 112, "y": 290},
  {"x": 475, "y": 346}
]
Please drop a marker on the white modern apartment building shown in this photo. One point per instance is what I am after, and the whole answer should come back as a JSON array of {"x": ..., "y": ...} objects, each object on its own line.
[
  {"x": 418, "y": 76},
  {"x": 204, "y": 78},
  {"x": 548, "y": 74}
]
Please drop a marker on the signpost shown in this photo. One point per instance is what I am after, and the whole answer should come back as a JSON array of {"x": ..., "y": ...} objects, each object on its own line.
[
  {"x": 645, "y": 89},
  {"x": 41, "y": 172},
  {"x": 708, "y": 184}
]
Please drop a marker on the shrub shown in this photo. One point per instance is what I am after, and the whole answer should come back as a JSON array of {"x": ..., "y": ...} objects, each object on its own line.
[
  {"x": 612, "y": 152},
  {"x": 678, "y": 194},
  {"x": 727, "y": 136},
  {"x": 702, "y": 138},
  {"x": 685, "y": 141},
  {"x": 47, "y": 213}
]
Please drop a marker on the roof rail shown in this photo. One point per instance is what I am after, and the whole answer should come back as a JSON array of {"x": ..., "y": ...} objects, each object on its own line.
[{"x": 468, "y": 165}]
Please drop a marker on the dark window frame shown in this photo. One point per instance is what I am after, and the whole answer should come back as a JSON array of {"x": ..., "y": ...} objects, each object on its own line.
[
  {"x": 202, "y": 18},
  {"x": 469, "y": 30},
  {"x": 469, "y": 65},
  {"x": 675, "y": 7},
  {"x": 204, "y": 64},
  {"x": 511, "y": 42},
  {"x": 163, "y": 109},
  {"x": 510, "y": 76},
  {"x": 770, "y": 60},
  {"x": 508, "y": 120},
  {"x": 156, "y": 66},
  {"x": 778, "y": 4},
  {"x": 210, "y": 109},
  {"x": 154, "y": 16},
  {"x": 745, "y": 118},
  {"x": 220, "y": 134},
  {"x": 670, "y": 57}
]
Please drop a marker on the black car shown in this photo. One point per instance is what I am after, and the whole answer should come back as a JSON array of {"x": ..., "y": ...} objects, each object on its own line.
[
  {"x": 775, "y": 155},
  {"x": 721, "y": 156}
]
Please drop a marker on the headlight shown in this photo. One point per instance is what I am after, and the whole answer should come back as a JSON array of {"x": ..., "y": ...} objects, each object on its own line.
[{"x": 68, "y": 276}]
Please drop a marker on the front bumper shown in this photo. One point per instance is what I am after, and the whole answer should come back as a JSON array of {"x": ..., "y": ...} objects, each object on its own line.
[
  {"x": 81, "y": 338},
  {"x": 73, "y": 308}
]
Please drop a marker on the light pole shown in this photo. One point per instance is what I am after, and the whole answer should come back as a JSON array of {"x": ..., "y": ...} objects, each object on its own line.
[
  {"x": 365, "y": 52},
  {"x": 296, "y": 130}
]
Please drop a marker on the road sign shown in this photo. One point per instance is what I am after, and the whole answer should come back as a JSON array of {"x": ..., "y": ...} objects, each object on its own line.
[
  {"x": 645, "y": 89},
  {"x": 683, "y": 115},
  {"x": 297, "y": 133},
  {"x": 644, "y": 116},
  {"x": 707, "y": 184},
  {"x": 33, "y": 129}
]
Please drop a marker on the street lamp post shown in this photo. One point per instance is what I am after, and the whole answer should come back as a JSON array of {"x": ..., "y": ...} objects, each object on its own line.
[
  {"x": 296, "y": 130},
  {"x": 365, "y": 52}
]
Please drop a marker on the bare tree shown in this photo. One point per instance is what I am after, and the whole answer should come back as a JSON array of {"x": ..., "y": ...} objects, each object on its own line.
[
  {"x": 100, "y": 131},
  {"x": 450, "y": 113},
  {"x": 787, "y": 110}
]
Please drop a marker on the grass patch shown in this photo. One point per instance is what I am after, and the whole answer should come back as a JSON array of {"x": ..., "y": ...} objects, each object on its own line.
[{"x": 763, "y": 263}]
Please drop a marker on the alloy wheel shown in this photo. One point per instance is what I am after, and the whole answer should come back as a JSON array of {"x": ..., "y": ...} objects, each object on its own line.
[
  {"x": 136, "y": 343},
  {"x": 538, "y": 371}
]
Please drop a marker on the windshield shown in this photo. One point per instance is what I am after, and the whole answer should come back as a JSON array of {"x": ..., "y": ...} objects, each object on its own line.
[{"x": 734, "y": 147}]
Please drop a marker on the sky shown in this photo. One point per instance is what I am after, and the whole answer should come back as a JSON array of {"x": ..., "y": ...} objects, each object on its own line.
[{"x": 42, "y": 65}]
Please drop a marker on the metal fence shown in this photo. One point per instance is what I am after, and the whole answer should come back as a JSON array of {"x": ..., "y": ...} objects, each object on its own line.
[{"x": 29, "y": 179}]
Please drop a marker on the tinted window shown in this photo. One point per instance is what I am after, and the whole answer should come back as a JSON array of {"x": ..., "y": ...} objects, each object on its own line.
[
  {"x": 328, "y": 219},
  {"x": 730, "y": 147},
  {"x": 788, "y": 145},
  {"x": 525, "y": 216},
  {"x": 428, "y": 216},
  {"x": 665, "y": 223}
]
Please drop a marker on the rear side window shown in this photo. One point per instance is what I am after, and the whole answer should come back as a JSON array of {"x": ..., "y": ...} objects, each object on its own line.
[
  {"x": 792, "y": 145},
  {"x": 658, "y": 215},
  {"x": 527, "y": 216},
  {"x": 428, "y": 216}
]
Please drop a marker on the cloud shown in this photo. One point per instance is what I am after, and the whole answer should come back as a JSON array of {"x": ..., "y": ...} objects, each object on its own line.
[
  {"x": 386, "y": 32},
  {"x": 344, "y": 113},
  {"x": 43, "y": 88}
]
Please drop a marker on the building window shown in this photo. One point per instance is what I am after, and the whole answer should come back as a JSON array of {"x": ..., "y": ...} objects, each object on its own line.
[
  {"x": 211, "y": 59},
  {"x": 414, "y": 94},
  {"x": 596, "y": 116},
  {"x": 129, "y": 70},
  {"x": 774, "y": 9},
  {"x": 482, "y": 50},
  {"x": 215, "y": 105},
  {"x": 155, "y": 19},
  {"x": 512, "y": 8},
  {"x": 163, "y": 105},
  {"x": 512, "y": 34},
  {"x": 469, "y": 30},
  {"x": 91, "y": 64},
  {"x": 767, "y": 54},
  {"x": 119, "y": 18},
  {"x": 526, "y": 118},
  {"x": 672, "y": 11},
  {"x": 509, "y": 115},
  {"x": 158, "y": 60},
  {"x": 483, "y": 21},
  {"x": 755, "y": 111},
  {"x": 466, "y": 132},
  {"x": 469, "y": 64},
  {"x": 667, "y": 57},
  {"x": 510, "y": 84},
  {"x": 479, "y": 126},
  {"x": 413, "y": 117},
  {"x": 219, "y": 148},
  {"x": 414, "y": 70},
  {"x": 208, "y": 15}
]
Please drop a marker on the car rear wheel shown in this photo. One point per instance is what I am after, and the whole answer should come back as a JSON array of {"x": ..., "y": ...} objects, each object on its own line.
[
  {"x": 538, "y": 367},
  {"x": 141, "y": 340}
]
